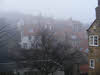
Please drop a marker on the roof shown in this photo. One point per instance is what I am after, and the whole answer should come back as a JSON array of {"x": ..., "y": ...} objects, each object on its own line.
[{"x": 91, "y": 25}]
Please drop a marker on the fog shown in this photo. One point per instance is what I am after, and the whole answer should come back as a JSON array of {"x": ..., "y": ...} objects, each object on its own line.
[{"x": 82, "y": 10}]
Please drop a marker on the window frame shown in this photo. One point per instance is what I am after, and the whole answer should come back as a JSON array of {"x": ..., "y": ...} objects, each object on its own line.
[
  {"x": 93, "y": 40},
  {"x": 92, "y": 65}
]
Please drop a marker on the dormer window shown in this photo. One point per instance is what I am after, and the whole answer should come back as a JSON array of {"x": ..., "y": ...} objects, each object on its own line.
[{"x": 93, "y": 40}]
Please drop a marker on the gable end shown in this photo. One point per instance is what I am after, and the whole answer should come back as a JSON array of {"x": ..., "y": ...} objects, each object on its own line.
[{"x": 91, "y": 26}]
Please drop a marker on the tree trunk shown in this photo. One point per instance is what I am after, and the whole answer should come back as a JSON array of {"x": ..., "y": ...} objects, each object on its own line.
[
  {"x": 46, "y": 73},
  {"x": 41, "y": 73},
  {"x": 66, "y": 72},
  {"x": 52, "y": 73}
]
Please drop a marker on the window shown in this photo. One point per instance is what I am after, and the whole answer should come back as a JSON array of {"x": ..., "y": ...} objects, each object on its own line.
[
  {"x": 93, "y": 40},
  {"x": 30, "y": 37},
  {"x": 25, "y": 45},
  {"x": 92, "y": 63},
  {"x": 50, "y": 27},
  {"x": 31, "y": 30},
  {"x": 94, "y": 27}
]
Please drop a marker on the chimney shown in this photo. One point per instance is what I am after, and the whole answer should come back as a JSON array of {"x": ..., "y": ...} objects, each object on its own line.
[
  {"x": 98, "y": 11},
  {"x": 98, "y": 2}
]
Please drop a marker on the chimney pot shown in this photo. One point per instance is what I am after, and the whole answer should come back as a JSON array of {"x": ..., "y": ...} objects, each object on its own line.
[{"x": 98, "y": 2}]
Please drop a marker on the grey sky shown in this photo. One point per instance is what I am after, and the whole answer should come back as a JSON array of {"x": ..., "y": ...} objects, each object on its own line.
[{"x": 83, "y": 10}]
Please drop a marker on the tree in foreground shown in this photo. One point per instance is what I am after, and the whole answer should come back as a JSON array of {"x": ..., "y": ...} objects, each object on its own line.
[{"x": 48, "y": 54}]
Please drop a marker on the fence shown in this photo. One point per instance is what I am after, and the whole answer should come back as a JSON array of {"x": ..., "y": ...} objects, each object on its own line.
[{"x": 6, "y": 73}]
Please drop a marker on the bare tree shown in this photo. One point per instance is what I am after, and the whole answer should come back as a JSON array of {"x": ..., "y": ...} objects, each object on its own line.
[{"x": 48, "y": 54}]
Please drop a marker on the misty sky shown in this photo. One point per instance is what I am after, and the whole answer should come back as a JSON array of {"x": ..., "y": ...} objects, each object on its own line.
[{"x": 83, "y": 10}]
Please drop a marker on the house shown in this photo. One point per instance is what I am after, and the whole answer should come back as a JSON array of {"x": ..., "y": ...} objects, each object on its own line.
[
  {"x": 94, "y": 44},
  {"x": 29, "y": 28},
  {"x": 74, "y": 29}
]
